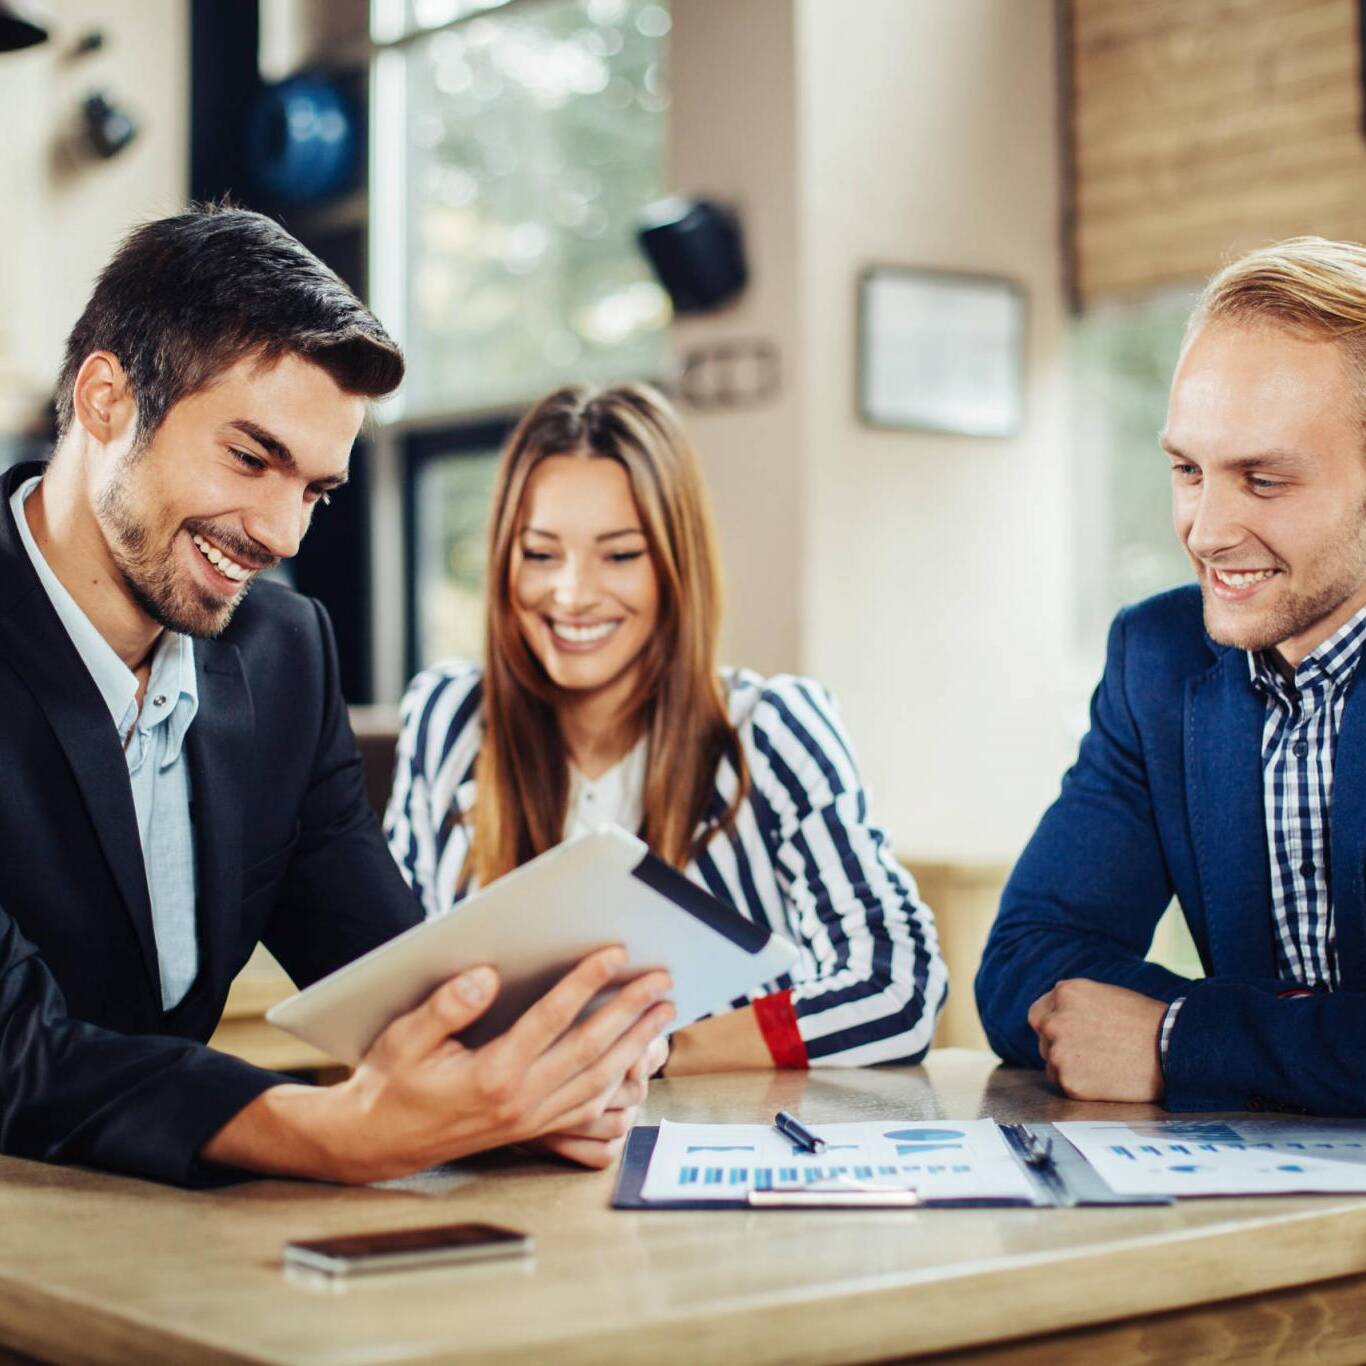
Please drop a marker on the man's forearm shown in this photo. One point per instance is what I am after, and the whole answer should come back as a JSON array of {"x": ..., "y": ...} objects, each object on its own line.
[
  {"x": 1028, "y": 954},
  {"x": 285, "y": 1131}
]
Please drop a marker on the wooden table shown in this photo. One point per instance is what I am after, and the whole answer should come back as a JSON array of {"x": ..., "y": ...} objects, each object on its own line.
[{"x": 104, "y": 1268}]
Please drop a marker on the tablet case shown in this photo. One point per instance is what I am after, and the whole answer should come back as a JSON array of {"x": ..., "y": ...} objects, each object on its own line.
[{"x": 1068, "y": 1181}]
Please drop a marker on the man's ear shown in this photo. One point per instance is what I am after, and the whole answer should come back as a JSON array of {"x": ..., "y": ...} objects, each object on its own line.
[{"x": 102, "y": 399}]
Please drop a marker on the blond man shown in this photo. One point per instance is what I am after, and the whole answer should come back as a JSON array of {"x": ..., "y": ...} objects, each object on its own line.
[{"x": 1226, "y": 760}]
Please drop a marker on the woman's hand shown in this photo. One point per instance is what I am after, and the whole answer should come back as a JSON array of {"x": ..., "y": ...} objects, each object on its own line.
[{"x": 599, "y": 1143}]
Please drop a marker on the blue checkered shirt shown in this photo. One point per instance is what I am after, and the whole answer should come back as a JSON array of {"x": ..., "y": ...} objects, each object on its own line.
[{"x": 1299, "y": 741}]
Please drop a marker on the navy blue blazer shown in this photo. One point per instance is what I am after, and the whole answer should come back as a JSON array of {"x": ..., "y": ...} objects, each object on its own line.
[
  {"x": 92, "y": 1070},
  {"x": 1166, "y": 799}
]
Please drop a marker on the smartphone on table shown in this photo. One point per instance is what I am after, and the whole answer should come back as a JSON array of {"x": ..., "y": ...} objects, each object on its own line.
[{"x": 356, "y": 1253}]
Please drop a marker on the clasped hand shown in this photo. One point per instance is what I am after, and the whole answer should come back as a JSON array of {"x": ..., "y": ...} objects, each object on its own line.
[{"x": 1100, "y": 1042}]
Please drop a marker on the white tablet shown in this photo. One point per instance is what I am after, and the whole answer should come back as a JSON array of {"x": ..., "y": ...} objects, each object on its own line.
[{"x": 533, "y": 925}]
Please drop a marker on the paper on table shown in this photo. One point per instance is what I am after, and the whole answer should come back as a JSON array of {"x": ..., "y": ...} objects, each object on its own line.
[
  {"x": 1218, "y": 1157},
  {"x": 939, "y": 1159}
]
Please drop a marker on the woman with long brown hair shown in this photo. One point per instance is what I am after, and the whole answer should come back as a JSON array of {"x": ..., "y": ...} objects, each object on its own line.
[{"x": 600, "y": 700}]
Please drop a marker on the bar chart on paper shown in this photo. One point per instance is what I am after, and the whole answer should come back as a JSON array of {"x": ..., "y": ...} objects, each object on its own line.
[
  {"x": 946, "y": 1160},
  {"x": 1217, "y": 1157}
]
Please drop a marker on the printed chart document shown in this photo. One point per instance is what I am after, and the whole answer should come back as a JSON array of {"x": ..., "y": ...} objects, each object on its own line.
[
  {"x": 939, "y": 1160},
  {"x": 1217, "y": 1157}
]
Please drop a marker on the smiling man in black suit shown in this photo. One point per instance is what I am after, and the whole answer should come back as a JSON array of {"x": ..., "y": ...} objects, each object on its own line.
[{"x": 181, "y": 776}]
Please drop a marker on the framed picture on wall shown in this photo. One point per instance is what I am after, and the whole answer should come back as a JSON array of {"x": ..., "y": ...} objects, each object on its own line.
[{"x": 941, "y": 352}]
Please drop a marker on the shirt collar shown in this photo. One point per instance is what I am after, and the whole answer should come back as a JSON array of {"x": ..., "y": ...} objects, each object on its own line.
[
  {"x": 173, "y": 678},
  {"x": 627, "y": 772},
  {"x": 173, "y": 672},
  {"x": 1328, "y": 666}
]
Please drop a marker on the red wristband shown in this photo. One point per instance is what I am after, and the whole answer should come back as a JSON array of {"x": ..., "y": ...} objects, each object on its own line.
[{"x": 778, "y": 1024}]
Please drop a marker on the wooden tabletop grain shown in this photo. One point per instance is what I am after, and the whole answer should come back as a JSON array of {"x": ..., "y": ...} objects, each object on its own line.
[{"x": 103, "y": 1268}]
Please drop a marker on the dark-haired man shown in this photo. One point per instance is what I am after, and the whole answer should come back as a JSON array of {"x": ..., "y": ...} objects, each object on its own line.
[
  {"x": 1226, "y": 761},
  {"x": 182, "y": 781}
]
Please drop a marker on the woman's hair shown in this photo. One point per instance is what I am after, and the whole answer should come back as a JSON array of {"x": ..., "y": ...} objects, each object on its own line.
[{"x": 522, "y": 772}]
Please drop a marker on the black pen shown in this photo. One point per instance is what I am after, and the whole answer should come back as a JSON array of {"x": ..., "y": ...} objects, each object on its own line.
[{"x": 798, "y": 1132}]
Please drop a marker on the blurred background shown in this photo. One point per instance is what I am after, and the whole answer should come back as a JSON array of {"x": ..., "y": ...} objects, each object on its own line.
[{"x": 926, "y": 401}]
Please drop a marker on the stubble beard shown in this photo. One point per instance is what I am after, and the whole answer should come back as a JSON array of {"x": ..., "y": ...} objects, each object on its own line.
[
  {"x": 149, "y": 572},
  {"x": 1334, "y": 575}
]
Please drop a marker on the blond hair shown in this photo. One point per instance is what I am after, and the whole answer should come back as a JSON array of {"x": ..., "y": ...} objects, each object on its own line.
[
  {"x": 521, "y": 774},
  {"x": 1309, "y": 285}
]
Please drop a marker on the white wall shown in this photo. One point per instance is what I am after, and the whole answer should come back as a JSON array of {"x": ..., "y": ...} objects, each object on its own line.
[
  {"x": 937, "y": 595},
  {"x": 733, "y": 133},
  {"x": 59, "y": 216},
  {"x": 932, "y": 590}
]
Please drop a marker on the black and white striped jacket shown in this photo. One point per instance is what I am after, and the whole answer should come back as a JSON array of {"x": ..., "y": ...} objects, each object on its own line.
[{"x": 804, "y": 859}]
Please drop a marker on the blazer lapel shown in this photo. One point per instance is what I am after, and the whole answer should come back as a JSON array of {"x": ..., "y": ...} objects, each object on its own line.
[
  {"x": 217, "y": 744},
  {"x": 1224, "y": 719},
  {"x": 36, "y": 645},
  {"x": 1348, "y": 849}
]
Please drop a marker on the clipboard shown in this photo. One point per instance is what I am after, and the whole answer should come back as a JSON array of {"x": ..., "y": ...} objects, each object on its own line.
[{"x": 1068, "y": 1181}]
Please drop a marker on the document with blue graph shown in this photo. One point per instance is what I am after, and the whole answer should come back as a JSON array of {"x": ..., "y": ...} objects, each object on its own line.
[
  {"x": 1216, "y": 1157},
  {"x": 939, "y": 1160}
]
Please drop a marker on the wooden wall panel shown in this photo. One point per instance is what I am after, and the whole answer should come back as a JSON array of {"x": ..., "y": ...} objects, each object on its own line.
[{"x": 1201, "y": 128}]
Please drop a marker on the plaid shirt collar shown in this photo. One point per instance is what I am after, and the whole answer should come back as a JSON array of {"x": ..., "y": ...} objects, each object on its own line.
[{"x": 1320, "y": 673}]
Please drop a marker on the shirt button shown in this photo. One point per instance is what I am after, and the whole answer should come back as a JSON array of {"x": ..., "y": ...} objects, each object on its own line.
[
  {"x": 159, "y": 700},
  {"x": 1307, "y": 867},
  {"x": 1301, "y": 748}
]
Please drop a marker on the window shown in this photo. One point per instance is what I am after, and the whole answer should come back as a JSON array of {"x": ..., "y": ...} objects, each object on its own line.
[
  {"x": 514, "y": 143},
  {"x": 450, "y": 479},
  {"x": 513, "y": 152},
  {"x": 1122, "y": 358}
]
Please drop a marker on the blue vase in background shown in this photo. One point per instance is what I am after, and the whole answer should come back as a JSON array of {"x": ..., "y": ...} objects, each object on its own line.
[{"x": 301, "y": 141}]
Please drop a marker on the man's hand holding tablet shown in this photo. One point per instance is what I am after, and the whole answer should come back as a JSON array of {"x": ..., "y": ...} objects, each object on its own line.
[{"x": 419, "y": 1097}]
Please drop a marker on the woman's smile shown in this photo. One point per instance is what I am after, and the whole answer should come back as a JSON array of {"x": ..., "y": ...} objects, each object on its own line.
[
  {"x": 582, "y": 636},
  {"x": 584, "y": 588}
]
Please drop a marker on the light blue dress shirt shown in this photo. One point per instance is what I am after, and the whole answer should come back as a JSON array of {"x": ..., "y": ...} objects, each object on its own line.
[{"x": 153, "y": 742}]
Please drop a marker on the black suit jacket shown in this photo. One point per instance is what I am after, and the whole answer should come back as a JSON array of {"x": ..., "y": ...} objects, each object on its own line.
[{"x": 92, "y": 1070}]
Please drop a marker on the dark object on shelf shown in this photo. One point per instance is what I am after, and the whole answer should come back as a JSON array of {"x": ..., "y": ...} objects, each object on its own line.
[
  {"x": 301, "y": 143},
  {"x": 20, "y": 27},
  {"x": 108, "y": 129},
  {"x": 696, "y": 251}
]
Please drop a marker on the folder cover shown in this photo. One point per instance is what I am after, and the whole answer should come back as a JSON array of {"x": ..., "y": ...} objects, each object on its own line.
[{"x": 1068, "y": 1180}]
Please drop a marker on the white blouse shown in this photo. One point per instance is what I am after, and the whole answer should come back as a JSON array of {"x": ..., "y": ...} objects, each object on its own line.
[{"x": 617, "y": 797}]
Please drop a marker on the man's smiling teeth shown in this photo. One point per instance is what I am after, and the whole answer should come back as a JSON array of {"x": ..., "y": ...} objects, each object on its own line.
[
  {"x": 228, "y": 568},
  {"x": 1243, "y": 579},
  {"x": 581, "y": 635}
]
